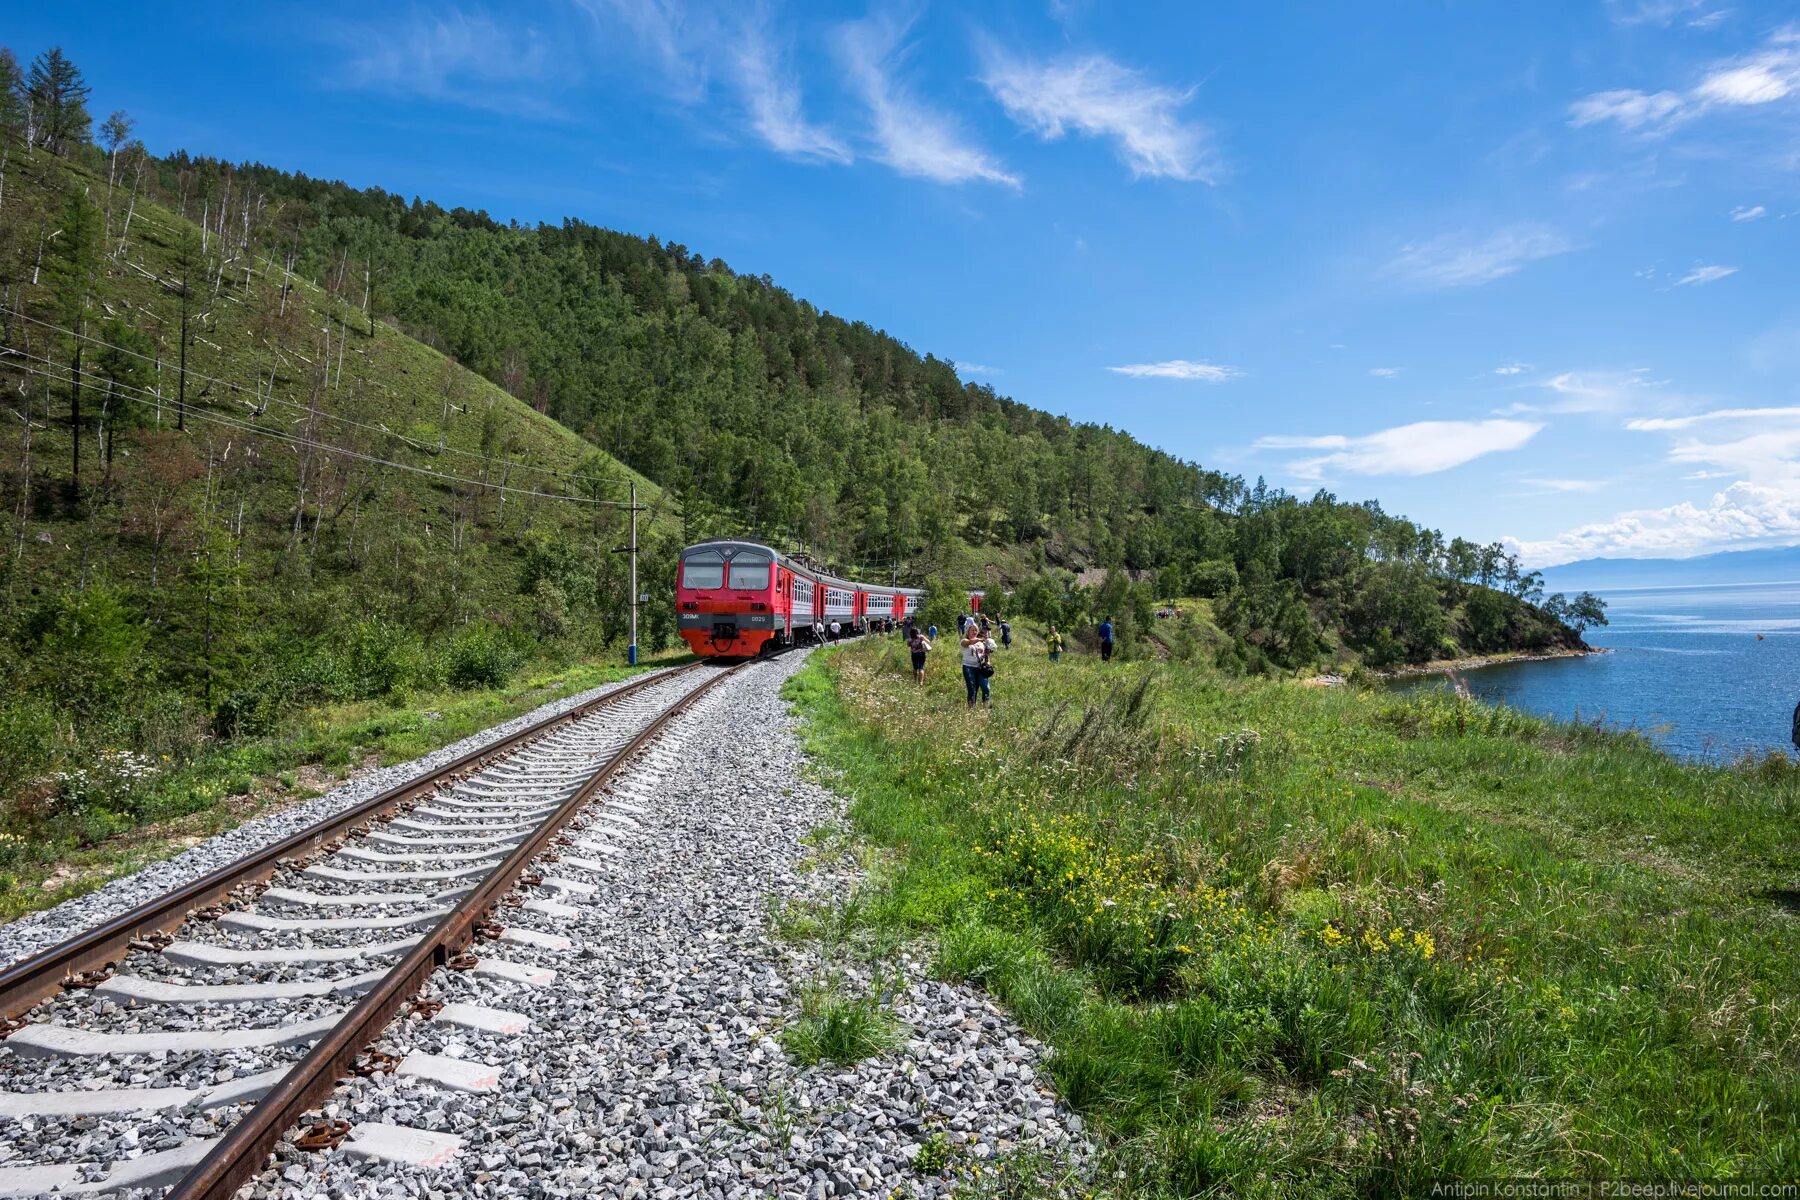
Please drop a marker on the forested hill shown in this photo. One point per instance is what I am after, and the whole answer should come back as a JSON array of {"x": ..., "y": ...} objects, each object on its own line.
[{"x": 763, "y": 413}]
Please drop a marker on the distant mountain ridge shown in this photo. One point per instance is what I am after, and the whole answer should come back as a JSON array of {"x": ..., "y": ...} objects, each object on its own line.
[{"x": 1774, "y": 564}]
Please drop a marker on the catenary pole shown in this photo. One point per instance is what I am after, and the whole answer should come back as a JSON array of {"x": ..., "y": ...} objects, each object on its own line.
[{"x": 631, "y": 653}]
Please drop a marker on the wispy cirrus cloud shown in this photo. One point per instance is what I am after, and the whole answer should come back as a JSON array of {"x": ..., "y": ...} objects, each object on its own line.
[
  {"x": 1385, "y": 372},
  {"x": 1179, "y": 368},
  {"x": 1458, "y": 260},
  {"x": 457, "y": 55},
  {"x": 911, "y": 137},
  {"x": 1515, "y": 368},
  {"x": 697, "y": 52},
  {"x": 1664, "y": 424},
  {"x": 1705, "y": 274},
  {"x": 1764, "y": 76},
  {"x": 1566, "y": 485},
  {"x": 1591, "y": 392},
  {"x": 1421, "y": 448},
  {"x": 1695, "y": 14},
  {"x": 1096, "y": 97},
  {"x": 771, "y": 93},
  {"x": 1754, "y": 213},
  {"x": 974, "y": 368},
  {"x": 1626, "y": 107}
]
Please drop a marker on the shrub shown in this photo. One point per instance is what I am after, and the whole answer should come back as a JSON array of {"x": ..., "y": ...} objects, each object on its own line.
[
  {"x": 480, "y": 656},
  {"x": 1212, "y": 579},
  {"x": 28, "y": 736}
]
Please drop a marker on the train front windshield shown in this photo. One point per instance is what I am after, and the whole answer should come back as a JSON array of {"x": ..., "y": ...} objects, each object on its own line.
[
  {"x": 704, "y": 571},
  {"x": 749, "y": 572}
]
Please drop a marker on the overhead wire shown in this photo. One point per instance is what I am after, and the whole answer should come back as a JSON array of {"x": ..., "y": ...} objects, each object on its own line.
[
  {"x": 59, "y": 374},
  {"x": 241, "y": 389}
]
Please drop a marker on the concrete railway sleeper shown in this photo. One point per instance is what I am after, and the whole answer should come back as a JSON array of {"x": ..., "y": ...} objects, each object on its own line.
[{"x": 264, "y": 983}]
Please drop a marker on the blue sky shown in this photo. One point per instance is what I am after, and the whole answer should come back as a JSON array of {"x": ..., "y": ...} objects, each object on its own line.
[{"x": 1520, "y": 271}]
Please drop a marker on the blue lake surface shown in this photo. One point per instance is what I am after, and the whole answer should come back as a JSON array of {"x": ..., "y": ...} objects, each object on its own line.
[{"x": 1686, "y": 666}]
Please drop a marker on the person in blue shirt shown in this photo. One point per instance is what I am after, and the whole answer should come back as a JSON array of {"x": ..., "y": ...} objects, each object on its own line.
[{"x": 1106, "y": 640}]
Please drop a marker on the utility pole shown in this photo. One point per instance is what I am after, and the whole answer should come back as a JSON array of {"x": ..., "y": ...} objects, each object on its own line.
[{"x": 631, "y": 653}]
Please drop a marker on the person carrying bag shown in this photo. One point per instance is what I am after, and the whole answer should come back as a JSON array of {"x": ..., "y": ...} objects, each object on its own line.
[{"x": 977, "y": 664}]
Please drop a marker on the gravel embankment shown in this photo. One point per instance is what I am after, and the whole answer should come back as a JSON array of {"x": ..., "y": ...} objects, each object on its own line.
[
  {"x": 654, "y": 1066},
  {"x": 39, "y": 931}
]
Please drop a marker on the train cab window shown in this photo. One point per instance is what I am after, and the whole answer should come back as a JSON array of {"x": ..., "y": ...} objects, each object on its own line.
[
  {"x": 750, "y": 571},
  {"x": 703, "y": 571}
]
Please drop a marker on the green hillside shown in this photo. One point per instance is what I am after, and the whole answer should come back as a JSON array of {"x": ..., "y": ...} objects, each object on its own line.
[{"x": 338, "y": 511}]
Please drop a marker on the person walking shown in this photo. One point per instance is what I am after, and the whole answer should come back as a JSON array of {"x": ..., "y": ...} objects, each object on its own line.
[
  {"x": 818, "y": 632},
  {"x": 920, "y": 645},
  {"x": 1106, "y": 640},
  {"x": 931, "y": 632},
  {"x": 1054, "y": 641},
  {"x": 837, "y": 629},
  {"x": 1006, "y": 635},
  {"x": 977, "y": 663}
]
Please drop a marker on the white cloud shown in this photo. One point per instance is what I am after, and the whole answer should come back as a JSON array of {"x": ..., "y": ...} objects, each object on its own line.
[
  {"x": 1696, "y": 14},
  {"x": 969, "y": 368},
  {"x": 1757, "y": 447},
  {"x": 772, "y": 95},
  {"x": 1763, "y": 80},
  {"x": 1590, "y": 392},
  {"x": 1740, "y": 213},
  {"x": 1422, "y": 448},
  {"x": 1517, "y": 368},
  {"x": 909, "y": 137},
  {"x": 1632, "y": 109},
  {"x": 1179, "y": 368},
  {"x": 1384, "y": 372},
  {"x": 1567, "y": 485},
  {"x": 1455, "y": 260},
  {"x": 1763, "y": 77},
  {"x": 1710, "y": 274},
  {"x": 674, "y": 35},
  {"x": 1744, "y": 514},
  {"x": 1663, "y": 424},
  {"x": 457, "y": 56},
  {"x": 1095, "y": 96}
]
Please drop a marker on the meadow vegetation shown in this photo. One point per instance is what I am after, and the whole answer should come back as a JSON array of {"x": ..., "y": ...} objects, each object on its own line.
[
  {"x": 87, "y": 825},
  {"x": 1337, "y": 942}
]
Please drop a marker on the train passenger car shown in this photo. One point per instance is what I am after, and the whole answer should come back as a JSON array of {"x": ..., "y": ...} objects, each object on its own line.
[{"x": 738, "y": 599}]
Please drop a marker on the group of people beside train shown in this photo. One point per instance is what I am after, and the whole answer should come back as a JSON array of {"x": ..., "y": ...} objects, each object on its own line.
[{"x": 975, "y": 632}]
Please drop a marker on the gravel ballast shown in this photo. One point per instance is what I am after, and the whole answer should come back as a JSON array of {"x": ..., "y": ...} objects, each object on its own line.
[
  {"x": 39, "y": 931},
  {"x": 655, "y": 1064}
]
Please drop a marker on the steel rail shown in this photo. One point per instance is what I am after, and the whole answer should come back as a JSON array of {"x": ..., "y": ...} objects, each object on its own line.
[
  {"x": 32, "y": 980},
  {"x": 241, "y": 1154}
]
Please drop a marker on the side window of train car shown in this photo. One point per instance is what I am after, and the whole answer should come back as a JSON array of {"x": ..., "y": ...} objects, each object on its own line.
[
  {"x": 704, "y": 570},
  {"x": 750, "y": 571}
]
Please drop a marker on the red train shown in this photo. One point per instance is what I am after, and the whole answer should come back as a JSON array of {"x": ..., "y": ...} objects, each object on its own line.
[{"x": 737, "y": 599}]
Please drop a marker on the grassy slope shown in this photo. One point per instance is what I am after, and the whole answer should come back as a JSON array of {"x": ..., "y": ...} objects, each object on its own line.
[
  {"x": 387, "y": 381},
  {"x": 1335, "y": 943}
]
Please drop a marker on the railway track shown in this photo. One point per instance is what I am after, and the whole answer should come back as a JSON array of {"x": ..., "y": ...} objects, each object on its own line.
[{"x": 200, "y": 1029}]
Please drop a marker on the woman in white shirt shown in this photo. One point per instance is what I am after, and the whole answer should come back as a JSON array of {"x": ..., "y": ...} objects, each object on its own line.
[{"x": 977, "y": 652}]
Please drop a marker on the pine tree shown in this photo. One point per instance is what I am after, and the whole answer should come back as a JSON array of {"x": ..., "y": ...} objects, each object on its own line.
[
  {"x": 12, "y": 92},
  {"x": 57, "y": 97},
  {"x": 74, "y": 273}
]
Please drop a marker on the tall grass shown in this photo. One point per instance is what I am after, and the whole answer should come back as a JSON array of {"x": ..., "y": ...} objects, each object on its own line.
[{"x": 1328, "y": 942}]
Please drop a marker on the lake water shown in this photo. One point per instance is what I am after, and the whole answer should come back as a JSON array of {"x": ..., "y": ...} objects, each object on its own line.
[{"x": 1686, "y": 667}]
